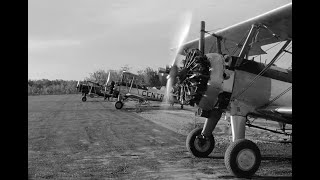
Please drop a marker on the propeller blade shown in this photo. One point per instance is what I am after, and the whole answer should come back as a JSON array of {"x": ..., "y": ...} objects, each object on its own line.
[
  {"x": 108, "y": 79},
  {"x": 171, "y": 78}
]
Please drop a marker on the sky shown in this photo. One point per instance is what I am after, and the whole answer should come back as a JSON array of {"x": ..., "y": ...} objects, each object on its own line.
[{"x": 69, "y": 39}]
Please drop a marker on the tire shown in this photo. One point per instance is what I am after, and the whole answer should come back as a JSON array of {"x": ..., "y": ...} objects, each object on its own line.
[
  {"x": 181, "y": 106},
  {"x": 91, "y": 95},
  {"x": 84, "y": 99},
  {"x": 194, "y": 146},
  {"x": 118, "y": 105},
  {"x": 242, "y": 158}
]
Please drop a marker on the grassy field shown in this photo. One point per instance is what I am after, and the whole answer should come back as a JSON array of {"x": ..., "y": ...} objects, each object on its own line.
[{"x": 71, "y": 139}]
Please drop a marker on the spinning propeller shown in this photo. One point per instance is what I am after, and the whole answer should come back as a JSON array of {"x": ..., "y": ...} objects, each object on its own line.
[
  {"x": 189, "y": 82},
  {"x": 171, "y": 78}
]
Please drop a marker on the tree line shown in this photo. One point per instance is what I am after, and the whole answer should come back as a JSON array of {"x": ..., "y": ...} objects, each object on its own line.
[
  {"x": 45, "y": 87},
  {"x": 147, "y": 76}
]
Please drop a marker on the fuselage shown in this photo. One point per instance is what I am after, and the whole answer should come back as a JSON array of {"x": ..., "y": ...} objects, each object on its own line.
[
  {"x": 148, "y": 93},
  {"x": 259, "y": 90},
  {"x": 245, "y": 89},
  {"x": 94, "y": 89}
]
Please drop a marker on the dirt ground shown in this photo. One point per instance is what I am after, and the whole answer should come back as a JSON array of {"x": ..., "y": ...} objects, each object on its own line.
[{"x": 71, "y": 139}]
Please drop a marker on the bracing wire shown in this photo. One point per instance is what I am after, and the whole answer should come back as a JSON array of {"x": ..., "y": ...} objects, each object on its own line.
[
  {"x": 227, "y": 49},
  {"x": 241, "y": 41},
  {"x": 263, "y": 71},
  {"x": 282, "y": 54},
  {"x": 277, "y": 97}
]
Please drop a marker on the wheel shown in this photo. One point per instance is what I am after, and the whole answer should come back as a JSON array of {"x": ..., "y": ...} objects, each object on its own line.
[
  {"x": 84, "y": 99},
  {"x": 181, "y": 106},
  {"x": 199, "y": 147},
  {"x": 118, "y": 104},
  {"x": 91, "y": 95},
  {"x": 242, "y": 158}
]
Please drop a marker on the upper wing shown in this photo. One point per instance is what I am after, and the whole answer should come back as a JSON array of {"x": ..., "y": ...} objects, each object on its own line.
[
  {"x": 93, "y": 83},
  {"x": 129, "y": 74},
  {"x": 277, "y": 21}
]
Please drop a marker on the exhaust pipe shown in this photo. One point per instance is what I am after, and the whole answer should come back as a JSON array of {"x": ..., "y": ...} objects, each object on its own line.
[{"x": 201, "y": 40}]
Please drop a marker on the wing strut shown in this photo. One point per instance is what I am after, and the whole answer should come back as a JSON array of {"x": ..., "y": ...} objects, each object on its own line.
[
  {"x": 287, "y": 51},
  {"x": 264, "y": 69},
  {"x": 131, "y": 84},
  {"x": 245, "y": 48},
  {"x": 218, "y": 42}
]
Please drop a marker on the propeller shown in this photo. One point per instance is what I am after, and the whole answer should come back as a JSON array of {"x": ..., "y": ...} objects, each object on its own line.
[
  {"x": 171, "y": 78},
  {"x": 191, "y": 79},
  {"x": 108, "y": 79}
]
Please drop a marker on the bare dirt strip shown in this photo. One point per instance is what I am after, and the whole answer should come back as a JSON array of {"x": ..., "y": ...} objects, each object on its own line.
[{"x": 71, "y": 139}]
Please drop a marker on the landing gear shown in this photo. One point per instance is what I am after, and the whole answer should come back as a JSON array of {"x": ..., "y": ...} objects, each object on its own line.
[
  {"x": 181, "y": 106},
  {"x": 91, "y": 95},
  {"x": 118, "y": 105},
  {"x": 84, "y": 99},
  {"x": 198, "y": 145},
  {"x": 242, "y": 158}
]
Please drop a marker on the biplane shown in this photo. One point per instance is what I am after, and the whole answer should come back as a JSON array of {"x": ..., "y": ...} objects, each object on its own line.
[
  {"x": 219, "y": 79},
  {"x": 131, "y": 86},
  {"x": 92, "y": 89}
]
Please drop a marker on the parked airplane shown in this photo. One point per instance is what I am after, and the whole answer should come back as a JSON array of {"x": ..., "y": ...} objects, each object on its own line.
[
  {"x": 92, "y": 89},
  {"x": 131, "y": 87},
  {"x": 218, "y": 79}
]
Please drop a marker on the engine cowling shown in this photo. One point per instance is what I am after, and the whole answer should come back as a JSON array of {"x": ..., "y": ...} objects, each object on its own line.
[{"x": 199, "y": 80}]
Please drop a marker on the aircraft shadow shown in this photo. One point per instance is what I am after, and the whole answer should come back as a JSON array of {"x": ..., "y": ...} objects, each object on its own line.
[
  {"x": 215, "y": 157},
  {"x": 157, "y": 107},
  {"x": 279, "y": 159},
  {"x": 259, "y": 177},
  {"x": 263, "y": 158}
]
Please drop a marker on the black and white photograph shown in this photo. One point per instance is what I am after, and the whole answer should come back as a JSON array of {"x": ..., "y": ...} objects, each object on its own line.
[{"x": 159, "y": 89}]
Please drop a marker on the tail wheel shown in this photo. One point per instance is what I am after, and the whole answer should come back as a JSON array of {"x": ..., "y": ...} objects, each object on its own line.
[
  {"x": 199, "y": 147},
  {"x": 118, "y": 105},
  {"x": 242, "y": 158},
  {"x": 84, "y": 99}
]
